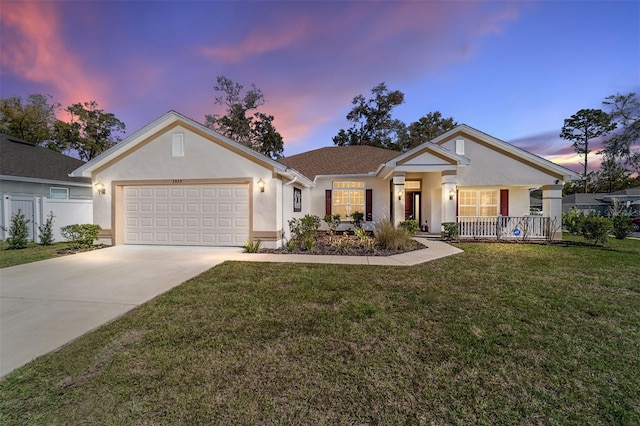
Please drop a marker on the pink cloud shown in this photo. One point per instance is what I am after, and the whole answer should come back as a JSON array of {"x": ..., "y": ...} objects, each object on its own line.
[
  {"x": 550, "y": 146},
  {"x": 329, "y": 53},
  {"x": 34, "y": 50},
  {"x": 256, "y": 43}
]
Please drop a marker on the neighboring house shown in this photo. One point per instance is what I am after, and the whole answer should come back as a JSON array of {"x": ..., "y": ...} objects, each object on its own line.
[
  {"x": 177, "y": 182},
  {"x": 35, "y": 180},
  {"x": 600, "y": 202}
]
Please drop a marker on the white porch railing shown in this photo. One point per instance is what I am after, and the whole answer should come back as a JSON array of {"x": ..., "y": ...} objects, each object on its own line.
[{"x": 504, "y": 227}]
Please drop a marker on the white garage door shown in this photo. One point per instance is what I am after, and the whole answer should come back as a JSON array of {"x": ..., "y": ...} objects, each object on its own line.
[{"x": 205, "y": 215}]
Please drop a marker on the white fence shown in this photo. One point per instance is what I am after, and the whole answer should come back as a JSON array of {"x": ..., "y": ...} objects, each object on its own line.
[
  {"x": 37, "y": 209},
  {"x": 513, "y": 227}
]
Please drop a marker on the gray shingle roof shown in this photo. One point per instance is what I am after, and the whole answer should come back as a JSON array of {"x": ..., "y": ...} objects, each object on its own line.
[
  {"x": 339, "y": 160},
  {"x": 24, "y": 159}
]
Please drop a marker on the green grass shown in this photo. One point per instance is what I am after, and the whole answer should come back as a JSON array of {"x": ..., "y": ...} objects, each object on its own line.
[
  {"x": 501, "y": 334},
  {"x": 33, "y": 253}
]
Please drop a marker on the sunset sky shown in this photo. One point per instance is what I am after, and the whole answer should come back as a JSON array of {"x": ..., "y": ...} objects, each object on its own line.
[{"x": 512, "y": 69}]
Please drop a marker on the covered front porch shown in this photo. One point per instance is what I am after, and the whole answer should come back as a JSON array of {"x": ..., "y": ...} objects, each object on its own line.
[{"x": 482, "y": 211}]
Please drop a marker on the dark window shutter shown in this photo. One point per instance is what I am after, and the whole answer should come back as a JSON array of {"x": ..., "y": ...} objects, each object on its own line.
[
  {"x": 368, "y": 207},
  {"x": 504, "y": 202},
  {"x": 327, "y": 201},
  {"x": 457, "y": 203}
]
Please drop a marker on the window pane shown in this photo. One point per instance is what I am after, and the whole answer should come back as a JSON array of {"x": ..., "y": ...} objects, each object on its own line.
[
  {"x": 488, "y": 211},
  {"x": 467, "y": 197},
  {"x": 488, "y": 197},
  {"x": 347, "y": 197},
  {"x": 340, "y": 196},
  {"x": 468, "y": 211},
  {"x": 341, "y": 210},
  {"x": 356, "y": 197},
  {"x": 58, "y": 193}
]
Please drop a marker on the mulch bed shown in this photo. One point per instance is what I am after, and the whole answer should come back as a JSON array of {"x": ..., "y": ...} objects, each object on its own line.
[
  {"x": 342, "y": 245},
  {"x": 67, "y": 251}
]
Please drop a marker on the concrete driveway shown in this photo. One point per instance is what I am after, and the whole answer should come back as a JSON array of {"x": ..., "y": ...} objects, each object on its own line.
[{"x": 44, "y": 305}]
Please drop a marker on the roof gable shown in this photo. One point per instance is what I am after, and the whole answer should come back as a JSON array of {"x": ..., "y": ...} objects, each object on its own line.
[
  {"x": 163, "y": 125},
  {"x": 448, "y": 139},
  {"x": 24, "y": 159}
]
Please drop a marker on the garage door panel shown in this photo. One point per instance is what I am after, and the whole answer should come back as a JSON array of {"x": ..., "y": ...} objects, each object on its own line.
[
  {"x": 187, "y": 215},
  {"x": 241, "y": 223},
  {"x": 146, "y": 193},
  {"x": 192, "y": 208},
  {"x": 131, "y": 192}
]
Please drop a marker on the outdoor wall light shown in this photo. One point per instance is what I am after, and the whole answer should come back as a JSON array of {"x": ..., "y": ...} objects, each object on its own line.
[
  {"x": 399, "y": 194},
  {"x": 100, "y": 188},
  {"x": 452, "y": 194},
  {"x": 261, "y": 185}
]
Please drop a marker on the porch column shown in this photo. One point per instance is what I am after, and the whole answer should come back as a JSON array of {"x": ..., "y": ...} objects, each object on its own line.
[
  {"x": 449, "y": 183},
  {"x": 552, "y": 208},
  {"x": 398, "y": 198}
]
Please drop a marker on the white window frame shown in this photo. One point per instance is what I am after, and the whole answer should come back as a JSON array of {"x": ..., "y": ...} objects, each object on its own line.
[
  {"x": 477, "y": 199},
  {"x": 60, "y": 189},
  {"x": 352, "y": 191}
]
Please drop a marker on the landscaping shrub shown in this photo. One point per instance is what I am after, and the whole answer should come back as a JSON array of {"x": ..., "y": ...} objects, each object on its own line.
[
  {"x": 389, "y": 237},
  {"x": 451, "y": 230},
  {"x": 80, "y": 235},
  {"x": 252, "y": 246},
  {"x": 365, "y": 241},
  {"x": 46, "y": 231},
  {"x": 357, "y": 219},
  {"x": 622, "y": 226},
  {"x": 410, "y": 225},
  {"x": 596, "y": 228},
  {"x": 572, "y": 221},
  {"x": 620, "y": 220},
  {"x": 18, "y": 231},
  {"x": 333, "y": 222},
  {"x": 303, "y": 231}
]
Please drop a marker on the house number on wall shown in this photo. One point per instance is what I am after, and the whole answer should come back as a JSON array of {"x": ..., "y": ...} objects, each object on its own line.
[{"x": 176, "y": 181}]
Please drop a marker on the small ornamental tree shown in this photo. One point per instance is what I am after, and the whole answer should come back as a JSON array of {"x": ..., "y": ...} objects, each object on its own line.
[
  {"x": 46, "y": 231},
  {"x": 18, "y": 231}
]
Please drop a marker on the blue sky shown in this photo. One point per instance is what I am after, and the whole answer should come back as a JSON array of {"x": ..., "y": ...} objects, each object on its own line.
[{"x": 512, "y": 69}]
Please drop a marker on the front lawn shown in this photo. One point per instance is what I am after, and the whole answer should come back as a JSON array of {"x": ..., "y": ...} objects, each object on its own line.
[
  {"x": 500, "y": 334},
  {"x": 33, "y": 253}
]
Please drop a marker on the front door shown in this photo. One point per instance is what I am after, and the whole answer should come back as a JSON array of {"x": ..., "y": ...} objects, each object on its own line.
[{"x": 412, "y": 206}]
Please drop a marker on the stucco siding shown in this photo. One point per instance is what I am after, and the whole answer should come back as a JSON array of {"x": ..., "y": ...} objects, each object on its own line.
[
  {"x": 490, "y": 167},
  {"x": 204, "y": 161},
  {"x": 287, "y": 206}
]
